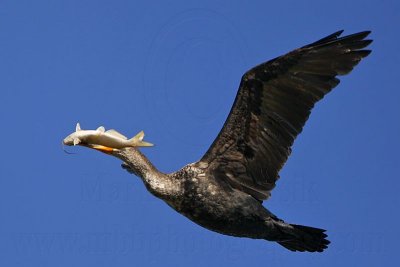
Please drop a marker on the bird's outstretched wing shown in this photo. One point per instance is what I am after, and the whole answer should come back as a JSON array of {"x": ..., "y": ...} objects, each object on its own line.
[{"x": 272, "y": 105}]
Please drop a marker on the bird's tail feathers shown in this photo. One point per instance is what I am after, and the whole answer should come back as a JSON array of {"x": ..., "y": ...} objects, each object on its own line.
[{"x": 303, "y": 238}]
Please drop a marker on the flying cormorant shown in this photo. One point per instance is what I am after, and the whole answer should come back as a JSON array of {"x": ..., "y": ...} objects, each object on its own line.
[{"x": 224, "y": 190}]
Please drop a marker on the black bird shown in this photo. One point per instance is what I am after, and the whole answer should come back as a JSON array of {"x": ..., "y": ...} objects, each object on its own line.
[{"x": 224, "y": 191}]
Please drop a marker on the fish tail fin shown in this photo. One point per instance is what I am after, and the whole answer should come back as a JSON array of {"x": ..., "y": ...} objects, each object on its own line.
[{"x": 137, "y": 140}]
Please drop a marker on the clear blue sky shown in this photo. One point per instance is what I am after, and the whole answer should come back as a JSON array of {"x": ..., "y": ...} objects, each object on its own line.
[{"x": 172, "y": 68}]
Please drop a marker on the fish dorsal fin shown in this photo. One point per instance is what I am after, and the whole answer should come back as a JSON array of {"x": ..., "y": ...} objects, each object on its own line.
[
  {"x": 116, "y": 134},
  {"x": 101, "y": 129},
  {"x": 78, "y": 127}
]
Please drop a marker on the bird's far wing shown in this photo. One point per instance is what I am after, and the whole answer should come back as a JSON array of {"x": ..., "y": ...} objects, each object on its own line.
[{"x": 271, "y": 107}]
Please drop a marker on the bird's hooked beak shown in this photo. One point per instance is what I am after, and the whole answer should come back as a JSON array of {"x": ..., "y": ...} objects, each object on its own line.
[{"x": 105, "y": 149}]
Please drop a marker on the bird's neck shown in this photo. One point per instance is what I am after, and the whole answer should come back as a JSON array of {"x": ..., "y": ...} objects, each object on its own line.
[
  {"x": 158, "y": 183},
  {"x": 137, "y": 163}
]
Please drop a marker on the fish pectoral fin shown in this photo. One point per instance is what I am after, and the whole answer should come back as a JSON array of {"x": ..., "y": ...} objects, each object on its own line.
[
  {"x": 101, "y": 129},
  {"x": 76, "y": 141},
  {"x": 116, "y": 134}
]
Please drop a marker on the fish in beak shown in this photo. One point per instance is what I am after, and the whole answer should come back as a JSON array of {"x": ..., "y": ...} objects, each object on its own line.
[{"x": 104, "y": 141}]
